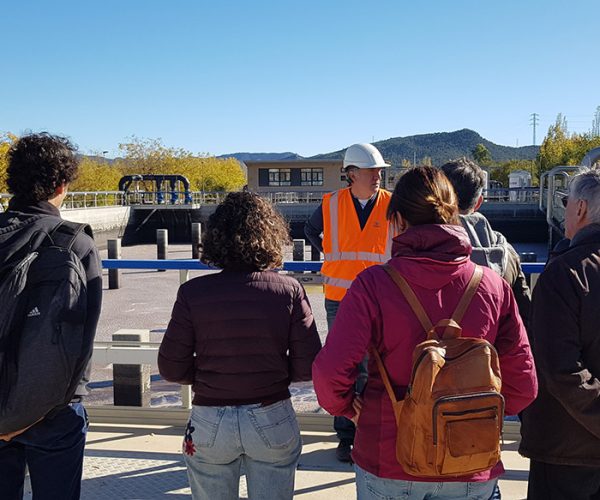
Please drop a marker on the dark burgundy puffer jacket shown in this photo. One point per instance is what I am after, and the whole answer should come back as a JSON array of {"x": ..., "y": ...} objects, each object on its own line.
[{"x": 239, "y": 338}]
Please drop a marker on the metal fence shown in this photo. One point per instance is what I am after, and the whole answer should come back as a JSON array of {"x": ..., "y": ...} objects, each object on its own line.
[
  {"x": 94, "y": 199},
  {"x": 525, "y": 195}
]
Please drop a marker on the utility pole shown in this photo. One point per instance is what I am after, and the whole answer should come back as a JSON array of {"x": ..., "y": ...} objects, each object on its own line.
[{"x": 534, "y": 119}]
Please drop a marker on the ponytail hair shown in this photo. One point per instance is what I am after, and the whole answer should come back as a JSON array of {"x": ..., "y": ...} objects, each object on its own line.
[{"x": 424, "y": 195}]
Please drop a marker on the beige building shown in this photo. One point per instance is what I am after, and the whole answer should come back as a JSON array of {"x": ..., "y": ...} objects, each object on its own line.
[
  {"x": 300, "y": 176},
  {"x": 295, "y": 175}
]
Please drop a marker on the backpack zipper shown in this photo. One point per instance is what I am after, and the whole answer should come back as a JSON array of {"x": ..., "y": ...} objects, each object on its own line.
[
  {"x": 476, "y": 395},
  {"x": 467, "y": 412}
]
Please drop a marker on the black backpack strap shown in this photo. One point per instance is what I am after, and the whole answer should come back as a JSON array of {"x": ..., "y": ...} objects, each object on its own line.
[{"x": 65, "y": 233}]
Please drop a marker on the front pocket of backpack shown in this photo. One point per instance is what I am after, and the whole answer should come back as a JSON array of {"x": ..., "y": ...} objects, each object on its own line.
[{"x": 468, "y": 430}]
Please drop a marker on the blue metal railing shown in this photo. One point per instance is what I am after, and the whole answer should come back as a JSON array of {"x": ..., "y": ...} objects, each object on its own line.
[{"x": 194, "y": 265}]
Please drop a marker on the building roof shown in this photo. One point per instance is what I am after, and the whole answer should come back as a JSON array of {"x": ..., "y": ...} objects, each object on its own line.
[{"x": 291, "y": 162}]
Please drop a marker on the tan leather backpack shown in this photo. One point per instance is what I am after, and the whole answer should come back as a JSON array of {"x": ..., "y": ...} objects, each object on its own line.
[{"x": 450, "y": 421}]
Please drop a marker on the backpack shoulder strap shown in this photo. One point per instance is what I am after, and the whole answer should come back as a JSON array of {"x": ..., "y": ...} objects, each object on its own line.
[
  {"x": 410, "y": 296},
  {"x": 384, "y": 375},
  {"x": 468, "y": 294},
  {"x": 65, "y": 233}
]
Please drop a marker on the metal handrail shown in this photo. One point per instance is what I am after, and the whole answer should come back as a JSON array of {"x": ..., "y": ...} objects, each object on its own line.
[
  {"x": 512, "y": 195},
  {"x": 94, "y": 199},
  {"x": 296, "y": 266},
  {"x": 189, "y": 265},
  {"x": 555, "y": 192}
]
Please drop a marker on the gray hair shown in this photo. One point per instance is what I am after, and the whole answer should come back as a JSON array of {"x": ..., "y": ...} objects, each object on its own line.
[{"x": 586, "y": 186}]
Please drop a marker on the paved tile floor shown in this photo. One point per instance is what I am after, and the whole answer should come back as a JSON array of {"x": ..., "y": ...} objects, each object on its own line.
[{"x": 144, "y": 462}]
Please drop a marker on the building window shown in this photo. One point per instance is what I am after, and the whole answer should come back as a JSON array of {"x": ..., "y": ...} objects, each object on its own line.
[
  {"x": 280, "y": 177},
  {"x": 312, "y": 177}
]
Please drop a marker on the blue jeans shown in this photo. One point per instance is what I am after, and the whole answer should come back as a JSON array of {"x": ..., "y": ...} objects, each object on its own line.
[
  {"x": 264, "y": 439},
  {"x": 370, "y": 487},
  {"x": 53, "y": 451},
  {"x": 344, "y": 428}
]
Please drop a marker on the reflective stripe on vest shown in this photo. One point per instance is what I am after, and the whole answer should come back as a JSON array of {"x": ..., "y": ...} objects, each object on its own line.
[
  {"x": 342, "y": 265},
  {"x": 328, "y": 280},
  {"x": 335, "y": 253}
]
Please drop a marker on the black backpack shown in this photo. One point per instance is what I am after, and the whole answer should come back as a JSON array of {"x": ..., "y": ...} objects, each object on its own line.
[{"x": 43, "y": 301}]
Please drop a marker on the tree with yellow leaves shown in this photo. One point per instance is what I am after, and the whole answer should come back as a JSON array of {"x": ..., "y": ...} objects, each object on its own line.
[
  {"x": 5, "y": 142},
  {"x": 205, "y": 173},
  {"x": 561, "y": 148},
  {"x": 95, "y": 175}
]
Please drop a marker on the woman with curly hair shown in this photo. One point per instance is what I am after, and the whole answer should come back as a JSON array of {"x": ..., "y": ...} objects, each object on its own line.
[
  {"x": 240, "y": 337},
  {"x": 431, "y": 253}
]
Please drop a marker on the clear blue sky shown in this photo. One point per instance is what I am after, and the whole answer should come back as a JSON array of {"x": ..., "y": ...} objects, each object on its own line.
[{"x": 304, "y": 76}]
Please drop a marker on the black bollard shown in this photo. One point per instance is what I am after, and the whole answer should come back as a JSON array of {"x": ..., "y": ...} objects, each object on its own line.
[
  {"x": 114, "y": 252},
  {"x": 314, "y": 253},
  {"x": 196, "y": 238},
  {"x": 298, "y": 250},
  {"x": 162, "y": 244}
]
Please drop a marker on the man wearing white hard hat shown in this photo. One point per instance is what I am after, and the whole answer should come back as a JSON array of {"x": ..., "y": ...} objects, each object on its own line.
[{"x": 350, "y": 227}]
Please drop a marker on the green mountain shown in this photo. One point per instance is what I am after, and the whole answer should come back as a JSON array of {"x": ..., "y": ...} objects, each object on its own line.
[{"x": 441, "y": 147}]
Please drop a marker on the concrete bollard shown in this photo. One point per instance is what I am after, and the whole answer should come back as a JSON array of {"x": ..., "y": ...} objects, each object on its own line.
[
  {"x": 196, "y": 239},
  {"x": 184, "y": 275},
  {"x": 114, "y": 252},
  {"x": 298, "y": 250},
  {"x": 131, "y": 383},
  {"x": 162, "y": 244}
]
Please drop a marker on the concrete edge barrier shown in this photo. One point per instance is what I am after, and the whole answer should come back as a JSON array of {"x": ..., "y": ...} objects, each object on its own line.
[{"x": 178, "y": 417}]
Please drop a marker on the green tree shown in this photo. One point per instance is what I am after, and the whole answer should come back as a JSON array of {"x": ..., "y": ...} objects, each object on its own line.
[{"x": 481, "y": 155}]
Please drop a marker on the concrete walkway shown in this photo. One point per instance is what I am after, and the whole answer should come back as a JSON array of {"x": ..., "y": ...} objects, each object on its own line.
[{"x": 145, "y": 462}]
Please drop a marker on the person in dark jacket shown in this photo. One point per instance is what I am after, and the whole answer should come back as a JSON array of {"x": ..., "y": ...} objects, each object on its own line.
[
  {"x": 561, "y": 429},
  {"x": 490, "y": 248},
  {"x": 432, "y": 254},
  {"x": 240, "y": 337},
  {"x": 40, "y": 168}
]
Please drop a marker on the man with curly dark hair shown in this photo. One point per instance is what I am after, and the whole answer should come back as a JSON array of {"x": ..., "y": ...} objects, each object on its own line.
[
  {"x": 51, "y": 442},
  {"x": 240, "y": 337}
]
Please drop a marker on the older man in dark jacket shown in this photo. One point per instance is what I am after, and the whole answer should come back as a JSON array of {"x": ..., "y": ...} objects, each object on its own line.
[{"x": 561, "y": 429}]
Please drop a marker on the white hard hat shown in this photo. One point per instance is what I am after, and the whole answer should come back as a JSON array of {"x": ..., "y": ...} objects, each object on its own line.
[{"x": 363, "y": 156}]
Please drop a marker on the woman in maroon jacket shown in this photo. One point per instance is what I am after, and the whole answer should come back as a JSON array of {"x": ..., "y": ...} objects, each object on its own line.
[
  {"x": 240, "y": 337},
  {"x": 432, "y": 254}
]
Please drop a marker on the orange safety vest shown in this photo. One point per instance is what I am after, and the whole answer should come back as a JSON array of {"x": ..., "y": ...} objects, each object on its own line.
[{"x": 348, "y": 250}]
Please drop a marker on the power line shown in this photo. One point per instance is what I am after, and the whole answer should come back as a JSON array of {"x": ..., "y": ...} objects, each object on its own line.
[{"x": 534, "y": 119}]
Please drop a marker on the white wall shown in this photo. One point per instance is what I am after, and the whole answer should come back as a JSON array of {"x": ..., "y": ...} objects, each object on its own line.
[{"x": 101, "y": 219}]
